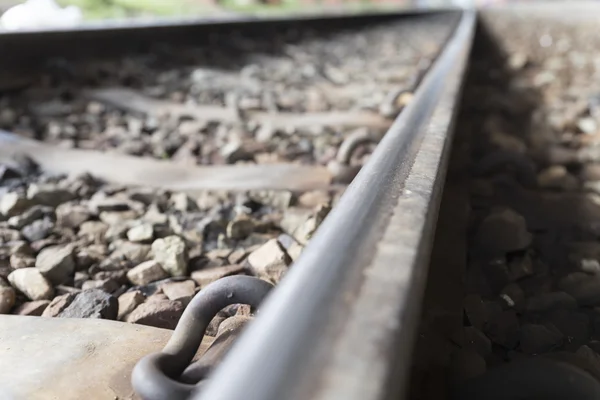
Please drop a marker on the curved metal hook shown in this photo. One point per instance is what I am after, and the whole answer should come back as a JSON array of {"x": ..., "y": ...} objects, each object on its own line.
[
  {"x": 340, "y": 168},
  {"x": 153, "y": 377}
]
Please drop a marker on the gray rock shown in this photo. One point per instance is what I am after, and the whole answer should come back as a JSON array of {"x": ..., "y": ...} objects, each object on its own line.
[
  {"x": 48, "y": 194},
  {"x": 146, "y": 272},
  {"x": 180, "y": 291},
  {"x": 475, "y": 310},
  {"x": 18, "y": 260},
  {"x": 503, "y": 329},
  {"x": 38, "y": 230},
  {"x": 550, "y": 301},
  {"x": 92, "y": 303},
  {"x": 32, "y": 283},
  {"x": 286, "y": 241},
  {"x": 7, "y": 299},
  {"x": 160, "y": 313},
  {"x": 496, "y": 272},
  {"x": 587, "y": 125},
  {"x": 171, "y": 253},
  {"x": 116, "y": 231},
  {"x": 583, "y": 287},
  {"x": 56, "y": 263},
  {"x": 27, "y": 217},
  {"x": 20, "y": 247},
  {"x": 155, "y": 217},
  {"x": 305, "y": 232},
  {"x": 100, "y": 203},
  {"x": 147, "y": 196},
  {"x": 279, "y": 199},
  {"x": 240, "y": 228},
  {"x": 9, "y": 235},
  {"x": 575, "y": 327},
  {"x": 40, "y": 245},
  {"x": 591, "y": 360},
  {"x": 118, "y": 217},
  {"x": 233, "y": 323},
  {"x": 557, "y": 177},
  {"x": 213, "y": 327},
  {"x": 86, "y": 257},
  {"x": 205, "y": 276},
  {"x": 80, "y": 278},
  {"x": 295, "y": 250},
  {"x": 477, "y": 341},
  {"x": 58, "y": 304},
  {"x": 591, "y": 266},
  {"x": 298, "y": 223},
  {"x": 466, "y": 364},
  {"x": 182, "y": 202},
  {"x": 106, "y": 285},
  {"x": 128, "y": 302},
  {"x": 13, "y": 203},
  {"x": 94, "y": 231},
  {"x": 237, "y": 256},
  {"x": 141, "y": 233},
  {"x": 502, "y": 232},
  {"x": 134, "y": 252},
  {"x": 207, "y": 200},
  {"x": 520, "y": 267},
  {"x": 270, "y": 261},
  {"x": 513, "y": 296},
  {"x": 72, "y": 215},
  {"x": 537, "y": 339},
  {"x": 32, "y": 308}
]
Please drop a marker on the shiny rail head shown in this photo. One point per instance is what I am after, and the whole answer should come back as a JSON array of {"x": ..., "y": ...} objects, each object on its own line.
[
  {"x": 338, "y": 342},
  {"x": 155, "y": 377}
]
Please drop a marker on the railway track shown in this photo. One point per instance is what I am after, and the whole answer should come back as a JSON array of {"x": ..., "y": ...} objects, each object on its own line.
[{"x": 164, "y": 180}]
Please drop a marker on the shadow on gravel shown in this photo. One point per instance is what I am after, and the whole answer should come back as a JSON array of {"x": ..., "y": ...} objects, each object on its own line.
[
  {"x": 508, "y": 275},
  {"x": 30, "y": 51}
]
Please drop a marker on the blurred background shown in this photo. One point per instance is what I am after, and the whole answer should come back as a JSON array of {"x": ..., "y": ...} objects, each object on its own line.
[{"x": 119, "y": 9}]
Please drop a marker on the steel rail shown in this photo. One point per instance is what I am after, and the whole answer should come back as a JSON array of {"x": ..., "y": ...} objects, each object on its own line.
[{"x": 341, "y": 325}]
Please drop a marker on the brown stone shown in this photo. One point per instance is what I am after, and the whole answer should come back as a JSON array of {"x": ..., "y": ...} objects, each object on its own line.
[
  {"x": 32, "y": 283},
  {"x": 32, "y": 308},
  {"x": 128, "y": 302},
  {"x": 313, "y": 198},
  {"x": 147, "y": 272},
  {"x": 270, "y": 261},
  {"x": 106, "y": 285},
  {"x": 18, "y": 260},
  {"x": 56, "y": 263},
  {"x": 237, "y": 256},
  {"x": 180, "y": 291},
  {"x": 58, "y": 304},
  {"x": 160, "y": 314},
  {"x": 205, "y": 276},
  {"x": 7, "y": 299}
]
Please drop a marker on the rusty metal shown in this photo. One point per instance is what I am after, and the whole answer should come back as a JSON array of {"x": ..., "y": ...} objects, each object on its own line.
[
  {"x": 229, "y": 330},
  {"x": 156, "y": 376},
  {"x": 535, "y": 378},
  {"x": 341, "y": 169}
]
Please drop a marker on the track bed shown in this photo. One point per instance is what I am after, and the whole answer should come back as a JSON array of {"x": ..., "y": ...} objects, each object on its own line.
[
  {"x": 514, "y": 272},
  {"x": 98, "y": 245}
]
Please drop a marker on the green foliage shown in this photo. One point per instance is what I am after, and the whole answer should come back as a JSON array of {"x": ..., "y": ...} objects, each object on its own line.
[
  {"x": 104, "y": 9},
  {"x": 111, "y": 9}
]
